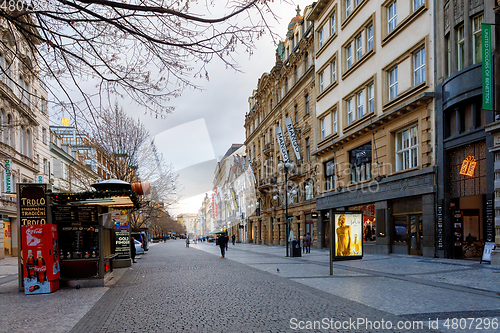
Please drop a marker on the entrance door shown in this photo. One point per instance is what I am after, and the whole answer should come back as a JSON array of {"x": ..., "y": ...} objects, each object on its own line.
[{"x": 416, "y": 237}]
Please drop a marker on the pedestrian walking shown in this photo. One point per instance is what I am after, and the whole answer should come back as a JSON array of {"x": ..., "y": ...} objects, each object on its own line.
[
  {"x": 309, "y": 242},
  {"x": 234, "y": 239},
  {"x": 132, "y": 249},
  {"x": 187, "y": 242},
  {"x": 221, "y": 241},
  {"x": 305, "y": 241},
  {"x": 226, "y": 241}
]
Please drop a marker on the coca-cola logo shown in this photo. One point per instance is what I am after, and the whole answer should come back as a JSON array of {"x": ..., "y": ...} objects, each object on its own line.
[
  {"x": 41, "y": 269},
  {"x": 35, "y": 232}
]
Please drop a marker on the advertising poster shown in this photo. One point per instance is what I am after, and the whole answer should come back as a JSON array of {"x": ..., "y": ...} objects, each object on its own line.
[
  {"x": 41, "y": 262},
  {"x": 119, "y": 218},
  {"x": 348, "y": 235}
]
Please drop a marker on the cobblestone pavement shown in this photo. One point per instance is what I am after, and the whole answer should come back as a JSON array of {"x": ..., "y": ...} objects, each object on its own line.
[{"x": 173, "y": 288}]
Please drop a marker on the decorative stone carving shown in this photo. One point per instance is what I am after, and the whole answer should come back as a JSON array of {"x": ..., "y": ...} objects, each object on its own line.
[
  {"x": 447, "y": 17},
  {"x": 458, "y": 10}
]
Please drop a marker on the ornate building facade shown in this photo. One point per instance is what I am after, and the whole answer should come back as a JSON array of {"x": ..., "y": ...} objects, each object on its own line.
[
  {"x": 24, "y": 136},
  {"x": 375, "y": 121},
  {"x": 287, "y": 91}
]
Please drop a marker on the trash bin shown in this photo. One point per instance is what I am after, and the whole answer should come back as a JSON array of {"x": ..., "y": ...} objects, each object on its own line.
[{"x": 296, "y": 250}]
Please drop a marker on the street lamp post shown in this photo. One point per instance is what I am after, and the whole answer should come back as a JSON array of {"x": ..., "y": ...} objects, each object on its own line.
[{"x": 286, "y": 167}]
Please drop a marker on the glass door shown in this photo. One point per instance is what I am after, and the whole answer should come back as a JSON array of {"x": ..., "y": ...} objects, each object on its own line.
[{"x": 415, "y": 235}]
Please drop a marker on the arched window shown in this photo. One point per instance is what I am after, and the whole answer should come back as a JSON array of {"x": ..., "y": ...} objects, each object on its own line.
[
  {"x": 10, "y": 131},
  {"x": 23, "y": 147},
  {"x": 309, "y": 189},
  {"x": 29, "y": 145}
]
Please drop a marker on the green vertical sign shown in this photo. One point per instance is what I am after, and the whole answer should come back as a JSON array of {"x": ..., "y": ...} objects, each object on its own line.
[{"x": 487, "y": 67}]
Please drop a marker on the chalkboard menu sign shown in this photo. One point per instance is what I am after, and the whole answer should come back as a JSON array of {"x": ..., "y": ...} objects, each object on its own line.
[{"x": 74, "y": 214}]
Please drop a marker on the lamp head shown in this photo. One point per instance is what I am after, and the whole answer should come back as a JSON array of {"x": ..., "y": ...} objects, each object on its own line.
[{"x": 275, "y": 197}]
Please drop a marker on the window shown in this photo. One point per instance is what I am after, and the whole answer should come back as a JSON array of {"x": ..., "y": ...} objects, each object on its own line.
[
  {"x": 44, "y": 105},
  {"x": 295, "y": 76},
  {"x": 359, "y": 47},
  {"x": 360, "y": 162},
  {"x": 334, "y": 115},
  {"x": 348, "y": 56},
  {"x": 306, "y": 103},
  {"x": 348, "y": 8},
  {"x": 334, "y": 70},
  {"x": 359, "y": 104},
  {"x": 321, "y": 78},
  {"x": 371, "y": 97},
  {"x": 322, "y": 128},
  {"x": 461, "y": 47},
  {"x": 350, "y": 117},
  {"x": 45, "y": 166},
  {"x": 369, "y": 37},
  {"x": 308, "y": 150},
  {"x": 44, "y": 135},
  {"x": 309, "y": 189},
  {"x": 476, "y": 39},
  {"x": 392, "y": 16},
  {"x": 393, "y": 83},
  {"x": 407, "y": 149},
  {"x": 329, "y": 175},
  {"x": 296, "y": 113},
  {"x": 333, "y": 24},
  {"x": 417, "y": 4},
  {"x": 320, "y": 37},
  {"x": 448, "y": 58},
  {"x": 419, "y": 66}
]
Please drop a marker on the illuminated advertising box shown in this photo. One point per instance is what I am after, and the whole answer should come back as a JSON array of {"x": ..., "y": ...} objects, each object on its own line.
[{"x": 348, "y": 236}]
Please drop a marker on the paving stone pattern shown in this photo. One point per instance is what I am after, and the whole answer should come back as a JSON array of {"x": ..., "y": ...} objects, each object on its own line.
[{"x": 173, "y": 288}]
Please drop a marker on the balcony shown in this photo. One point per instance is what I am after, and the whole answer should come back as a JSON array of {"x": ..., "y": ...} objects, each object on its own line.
[
  {"x": 267, "y": 182},
  {"x": 268, "y": 148}
]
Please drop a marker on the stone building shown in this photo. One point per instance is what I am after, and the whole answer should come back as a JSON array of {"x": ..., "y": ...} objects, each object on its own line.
[
  {"x": 24, "y": 136},
  {"x": 374, "y": 121},
  {"x": 189, "y": 222},
  {"x": 286, "y": 92},
  {"x": 465, "y": 198}
]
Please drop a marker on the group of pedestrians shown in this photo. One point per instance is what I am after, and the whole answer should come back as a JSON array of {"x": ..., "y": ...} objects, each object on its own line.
[{"x": 223, "y": 241}]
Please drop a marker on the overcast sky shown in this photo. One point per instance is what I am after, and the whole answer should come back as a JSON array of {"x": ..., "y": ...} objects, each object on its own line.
[{"x": 205, "y": 123}]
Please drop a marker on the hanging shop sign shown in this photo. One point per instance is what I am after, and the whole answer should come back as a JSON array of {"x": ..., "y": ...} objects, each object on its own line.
[
  {"x": 32, "y": 204},
  {"x": 8, "y": 175},
  {"x": 487, "y": 67},
  {"x": 293, "y": 138},
  {"x": 348, "y": 236},
  {"x": 468, "y": 166},
  {"x": 281, "y": 143}
]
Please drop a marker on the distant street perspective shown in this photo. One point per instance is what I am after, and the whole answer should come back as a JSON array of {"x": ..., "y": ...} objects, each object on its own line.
[
  {"x": 175, "y": 288},
  {"x": 249, "y": 166}
]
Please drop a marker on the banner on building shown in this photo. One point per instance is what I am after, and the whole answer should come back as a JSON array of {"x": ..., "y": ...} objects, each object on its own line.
[
  {"x": 8, "y": 175},
  {"x": 281, "y": 143},
  {"x": 293, "y": 138},
  {"x": 487, "y": 67},
  {"x": 235, "y": 201}
]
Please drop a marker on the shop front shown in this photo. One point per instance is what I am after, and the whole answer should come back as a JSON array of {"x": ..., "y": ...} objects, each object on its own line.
[
  {"x": 398, "y": 213},
  {"x": 469, "y": 204}
]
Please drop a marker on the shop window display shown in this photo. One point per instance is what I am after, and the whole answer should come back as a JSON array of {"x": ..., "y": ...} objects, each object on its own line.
[
  {"x": 78, "y": 241},
  {"x": 369, "y": 221}
]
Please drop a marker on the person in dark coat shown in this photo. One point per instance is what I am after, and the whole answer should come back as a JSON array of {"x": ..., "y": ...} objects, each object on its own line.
[
  {"x": 234, "y": 239},
  {"x": 221, "y": 240},
  {"x": 132, "y": 249}
]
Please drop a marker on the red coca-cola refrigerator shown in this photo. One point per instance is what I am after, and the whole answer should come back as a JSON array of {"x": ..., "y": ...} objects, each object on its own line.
[{"x": 40, "y": 258}]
